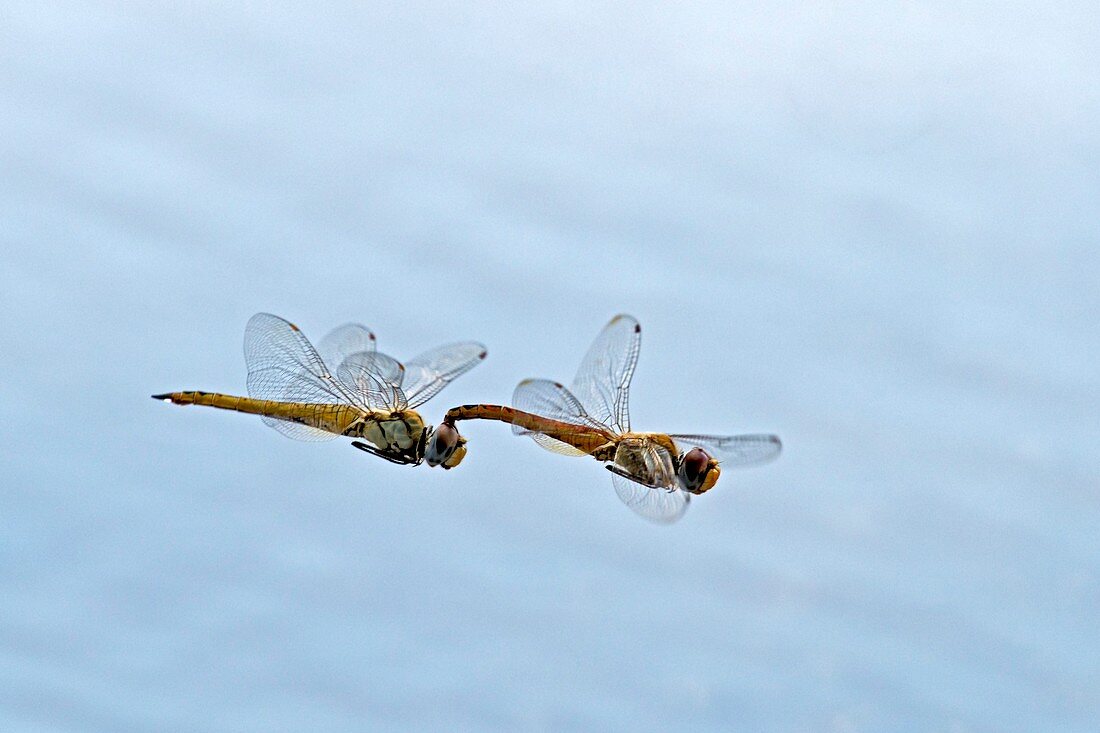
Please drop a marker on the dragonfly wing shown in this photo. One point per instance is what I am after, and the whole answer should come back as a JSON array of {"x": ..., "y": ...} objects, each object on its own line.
[
  {"x": 283, "y": 366},
  {"x": 733, "y": 450},
  {"x": 428, "y": 373},
  {"x": 602, "y": 383},
  {"x": 553, "y": 400},
  {"x": 376, "y": 377},
  {"x": 300, "y": 432},
  {"x": 342, "y": 342},
  {"x": 552, "y": 444},
  {"x": 662, "y": 506}
]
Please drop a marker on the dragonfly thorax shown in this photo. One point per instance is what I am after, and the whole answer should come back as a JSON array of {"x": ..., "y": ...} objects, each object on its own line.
[
  {"x": 647, "y": 460},
  {"x": 397, "y": 435}
]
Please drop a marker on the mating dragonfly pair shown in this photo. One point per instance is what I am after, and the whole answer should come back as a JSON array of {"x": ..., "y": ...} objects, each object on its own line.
[{"x": 345, "y": 386}]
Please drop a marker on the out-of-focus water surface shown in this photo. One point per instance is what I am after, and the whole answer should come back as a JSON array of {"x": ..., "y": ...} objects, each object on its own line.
[{"x": 873, "y": 231}]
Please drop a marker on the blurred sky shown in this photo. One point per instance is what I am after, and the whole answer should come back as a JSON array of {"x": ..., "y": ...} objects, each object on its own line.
[{"x": 870, "y": 228}]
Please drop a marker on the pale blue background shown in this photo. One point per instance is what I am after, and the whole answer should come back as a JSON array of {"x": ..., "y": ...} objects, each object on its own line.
[{"x": 871, "y": 229}]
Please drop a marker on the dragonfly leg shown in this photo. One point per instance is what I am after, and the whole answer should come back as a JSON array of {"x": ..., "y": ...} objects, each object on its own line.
[
  {"x": 375, "y": 452},
  {"x": 636, "y": 479}
]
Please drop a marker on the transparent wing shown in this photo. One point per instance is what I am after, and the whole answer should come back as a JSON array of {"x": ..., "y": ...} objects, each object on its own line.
[
  {"x": 342, "y": 342},
  {"x": 300, "y": 432},
  {"x": 284, "y": 366},
  {"x": 551, "y": 399},
  {"x": 602, "y": 383},
  {"x": 657, "y": 505},
  {"x": 733, "y": 450},
  {"x": 428, "y": 373},
  {"x": 376, "y": 377},
  {"x": 551, "y": 444}
]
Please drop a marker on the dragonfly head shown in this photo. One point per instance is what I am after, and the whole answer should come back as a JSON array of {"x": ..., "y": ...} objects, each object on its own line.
[
  {"x": 698, "y": 472},
  {"x": 445, "y": 447}
]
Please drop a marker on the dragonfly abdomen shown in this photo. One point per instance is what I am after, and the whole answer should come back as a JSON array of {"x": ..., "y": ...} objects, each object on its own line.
[
  {"x": 330, "y": 418},
  {"x": 583, "y": 438},
  {"x": 480, "y": 412}
]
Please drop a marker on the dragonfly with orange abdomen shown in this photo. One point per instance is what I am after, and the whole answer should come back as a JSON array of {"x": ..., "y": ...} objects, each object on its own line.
[
  {"x": 655, "y": 474},
  {"x": 346, "y": 387}
]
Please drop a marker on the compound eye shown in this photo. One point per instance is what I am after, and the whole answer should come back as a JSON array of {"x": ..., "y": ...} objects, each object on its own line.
[
  {"x": 693, "y": 468},
  {"x": 442, "y": 444}
]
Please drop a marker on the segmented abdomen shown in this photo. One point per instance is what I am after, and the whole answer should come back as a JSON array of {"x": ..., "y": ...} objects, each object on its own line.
[
  {"x": 581, "y": 437},
  {"x": 330, "y": 418}
]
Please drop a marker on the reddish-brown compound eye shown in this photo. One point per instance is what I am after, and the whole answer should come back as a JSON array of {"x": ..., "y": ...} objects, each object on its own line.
[
  {"x": 442, "y": 444},
  {"x": 693, "y": 469}
]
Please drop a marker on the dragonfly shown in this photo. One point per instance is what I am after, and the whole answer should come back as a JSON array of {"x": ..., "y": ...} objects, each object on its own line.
[
  {"x": 655, "y": 474},
  {"x": 345, "y": 387}
]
